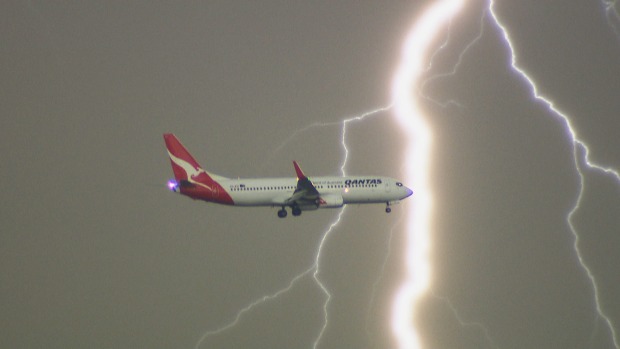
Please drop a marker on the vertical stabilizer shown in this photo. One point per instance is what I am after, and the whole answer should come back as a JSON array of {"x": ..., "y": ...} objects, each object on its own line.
[
  {"x": 183, "y": 163},
  {"x": 184, "y": 166},
  {"x": 190, "y": 178}
]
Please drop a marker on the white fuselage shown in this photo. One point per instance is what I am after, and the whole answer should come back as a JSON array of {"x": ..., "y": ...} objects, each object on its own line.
[{"x": 351, "y": 190}]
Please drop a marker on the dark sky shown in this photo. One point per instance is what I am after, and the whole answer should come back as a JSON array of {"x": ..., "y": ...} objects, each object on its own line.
[{"x": 95, "y": 252}]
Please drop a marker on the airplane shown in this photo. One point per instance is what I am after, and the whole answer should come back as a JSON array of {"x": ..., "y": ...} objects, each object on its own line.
[{"x": 299, "y": 194}]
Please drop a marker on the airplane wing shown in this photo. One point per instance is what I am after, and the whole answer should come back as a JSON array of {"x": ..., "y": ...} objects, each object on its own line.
[{"x": 305, "y": 193}]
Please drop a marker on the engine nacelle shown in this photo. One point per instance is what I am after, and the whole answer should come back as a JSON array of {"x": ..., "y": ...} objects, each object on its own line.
[{"x": 331, "y": 201}]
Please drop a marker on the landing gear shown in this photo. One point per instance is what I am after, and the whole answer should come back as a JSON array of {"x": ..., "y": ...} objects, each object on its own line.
[
  {"x": 296, "y": 211},
  {"x": 388, "y": 209}
]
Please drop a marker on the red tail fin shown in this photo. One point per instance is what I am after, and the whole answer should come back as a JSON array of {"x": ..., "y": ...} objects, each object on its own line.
[
  {"x": 183, "y": 164},
  {"x": 191, "y": 179}
]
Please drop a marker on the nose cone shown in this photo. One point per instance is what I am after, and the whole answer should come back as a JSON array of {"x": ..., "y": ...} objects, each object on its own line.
[{"x": 408, "y": 192}]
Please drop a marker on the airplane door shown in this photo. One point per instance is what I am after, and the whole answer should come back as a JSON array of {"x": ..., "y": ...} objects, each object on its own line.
[{"x": 387, "y": 187}]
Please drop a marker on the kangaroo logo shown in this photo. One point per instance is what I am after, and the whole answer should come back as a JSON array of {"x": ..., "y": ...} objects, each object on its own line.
[{"x": 191, "y": 172}]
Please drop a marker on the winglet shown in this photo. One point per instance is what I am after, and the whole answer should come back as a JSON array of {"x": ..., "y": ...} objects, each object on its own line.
[{"x": 300, "y": 174}]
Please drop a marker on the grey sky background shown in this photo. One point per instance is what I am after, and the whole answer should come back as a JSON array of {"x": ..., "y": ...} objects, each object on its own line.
[{"x": 95, "y": 252}]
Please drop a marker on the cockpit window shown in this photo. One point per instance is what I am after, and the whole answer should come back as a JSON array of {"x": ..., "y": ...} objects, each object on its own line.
[{"x": 399, "y": 184}]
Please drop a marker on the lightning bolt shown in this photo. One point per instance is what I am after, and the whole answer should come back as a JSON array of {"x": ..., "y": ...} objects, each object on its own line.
[
  {"x": 318, "y": 255},
  {"x": 613, "y": 18},
  {"x": 417, "y": 269},
  {"x": 454, "y": 69},
  {"x": 444, "y": 104},
  {"x": 416, "y": 278},
  {"x": 318, "y": 281},
  {"x": 581, "y": 152},
  {"x": 464, "y": 323},
  {"x": 579, "y": 146},
  {"x": 314, "y": 269},
  {"x": 252, "y": 305},
  {"x": 387, "y": 256}
]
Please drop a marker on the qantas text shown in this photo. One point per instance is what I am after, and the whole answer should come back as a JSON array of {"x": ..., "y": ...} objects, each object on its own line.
[{"x": 349, "y": 182}]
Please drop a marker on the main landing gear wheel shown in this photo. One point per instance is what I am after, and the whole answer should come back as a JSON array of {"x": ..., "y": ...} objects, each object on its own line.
[
  {"x": 282, "y": 213},
  {"x": 388, "y": 209},
  {"x": 296, "y": 211}
]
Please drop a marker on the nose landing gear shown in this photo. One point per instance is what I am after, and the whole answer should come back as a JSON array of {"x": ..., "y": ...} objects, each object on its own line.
[{"x": 388, "y": 209}]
